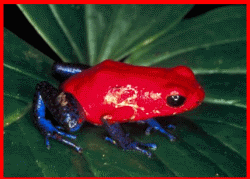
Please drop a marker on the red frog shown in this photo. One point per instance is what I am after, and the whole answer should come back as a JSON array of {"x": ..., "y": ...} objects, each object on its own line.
[{"x": 111, "y": 93}]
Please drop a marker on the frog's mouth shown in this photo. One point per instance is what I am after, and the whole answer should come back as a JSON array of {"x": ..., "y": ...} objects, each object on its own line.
[{"x": 196, "y": 99}]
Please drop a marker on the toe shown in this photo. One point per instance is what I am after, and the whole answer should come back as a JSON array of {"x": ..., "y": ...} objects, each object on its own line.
[{"x": 70, "y": 136}]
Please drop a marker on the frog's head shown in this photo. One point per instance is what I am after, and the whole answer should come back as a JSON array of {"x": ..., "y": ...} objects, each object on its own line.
[
  {"x": 171, "y": 91},
  {"x": 182, "y": 92},
  {"x": 70, "y": 112}
]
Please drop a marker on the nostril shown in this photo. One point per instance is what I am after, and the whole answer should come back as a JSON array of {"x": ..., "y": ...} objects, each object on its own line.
[{"x": 198, "y": 102}]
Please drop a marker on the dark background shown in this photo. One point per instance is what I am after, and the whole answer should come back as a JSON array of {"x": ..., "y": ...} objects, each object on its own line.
[{"x": 15, "y": 21}]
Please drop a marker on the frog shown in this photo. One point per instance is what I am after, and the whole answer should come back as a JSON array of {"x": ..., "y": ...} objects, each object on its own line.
[{"x": 112, "y": 93}]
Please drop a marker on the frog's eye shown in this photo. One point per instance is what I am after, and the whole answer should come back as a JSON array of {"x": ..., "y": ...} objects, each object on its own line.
[{"x": 175, "y": 100}]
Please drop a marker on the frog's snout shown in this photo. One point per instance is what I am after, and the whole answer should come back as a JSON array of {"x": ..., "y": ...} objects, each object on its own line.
[{"x": 200, "y": 95}]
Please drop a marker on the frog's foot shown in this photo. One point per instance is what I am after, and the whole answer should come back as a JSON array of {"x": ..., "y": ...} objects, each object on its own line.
[
  {"x": 118, "y": 137},
  {"x": 136, "y": 146},
  {"x": 148, "y": 130},
  {"x": 50, "y": 131},
  {"x": 59, "y": 138},
  {"x": 153, "y": 124},
  {"x": 70, "y": 136}
]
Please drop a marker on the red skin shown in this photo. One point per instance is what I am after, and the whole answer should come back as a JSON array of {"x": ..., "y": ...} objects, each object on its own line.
[{"x": 121, "y": 92}]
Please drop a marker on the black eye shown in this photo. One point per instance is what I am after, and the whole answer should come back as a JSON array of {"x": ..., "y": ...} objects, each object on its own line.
[{"x": 175, "y": 100}]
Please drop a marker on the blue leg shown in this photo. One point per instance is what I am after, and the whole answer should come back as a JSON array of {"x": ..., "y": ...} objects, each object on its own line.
[
  {"x": 45, "y": 125},
  {"x": 118, "y": 137},
  {"x": 63, "y": 71},
  {"x": 153, "y": 124},
  {"x": 171, "y": 126},
  {"x": 60, "y": 139},
  {"x": 66, "y": 135},
  {"x": 147, "y": 131}
]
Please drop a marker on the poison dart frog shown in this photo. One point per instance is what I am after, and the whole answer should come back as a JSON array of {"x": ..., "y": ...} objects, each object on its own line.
[{"x": 112, "y": 93}]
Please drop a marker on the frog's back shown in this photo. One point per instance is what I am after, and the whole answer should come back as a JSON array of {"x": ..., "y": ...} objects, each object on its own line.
[
  {"x": 110, "y": 73},
  {"x": 122, "y": 70}
]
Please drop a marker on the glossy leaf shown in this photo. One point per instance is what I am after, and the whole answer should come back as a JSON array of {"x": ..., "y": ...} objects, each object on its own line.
[
  {"x": 24, "y": 67},
  {"x": 61, "y": 26},
  {"x": 211, "y": 139},
  {"x": 206, "y": 43}
]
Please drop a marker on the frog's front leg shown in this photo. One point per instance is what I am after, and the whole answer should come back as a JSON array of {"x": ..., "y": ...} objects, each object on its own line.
[
  {"x": 65, "y": 111},
  {"x": 119, "y": 137},
  {"x": 153, "y": 124}
]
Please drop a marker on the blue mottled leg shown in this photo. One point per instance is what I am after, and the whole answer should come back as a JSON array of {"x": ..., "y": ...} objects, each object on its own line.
[
  {"x": 153, "y": 124},
  {"x": 119, "y": 137},
  {"x": 45, "y": 125},
  {"x": 63, "y": 71}
]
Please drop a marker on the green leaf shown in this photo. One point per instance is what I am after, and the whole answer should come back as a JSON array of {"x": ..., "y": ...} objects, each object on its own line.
[
  {"x": 211, "y": 139},
  {"x": 210, "y": 42},
  {"x": 65, "y": 23},
  {"x": 24, "y": 67},
  {"x": 225, "y": 89},
  {"x": 130, "y": 27}
]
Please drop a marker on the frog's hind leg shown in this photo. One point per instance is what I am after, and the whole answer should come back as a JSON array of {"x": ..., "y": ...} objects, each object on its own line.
[
  {"x": 45, "y": 98},
  {"x": 63, "y": 71},
  {"x": 119, "y": 137}
]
